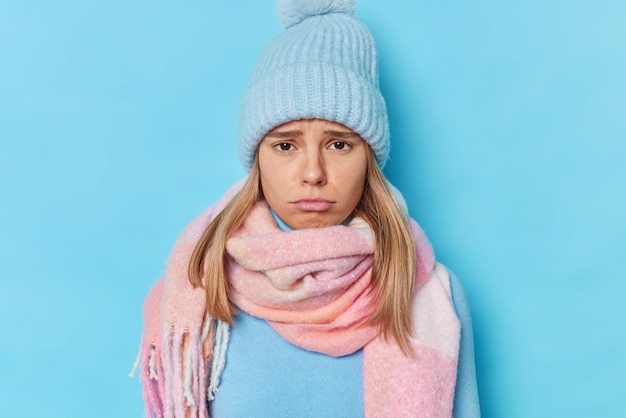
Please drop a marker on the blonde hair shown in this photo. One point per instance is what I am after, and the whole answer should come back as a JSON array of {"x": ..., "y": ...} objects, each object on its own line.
[{"x": 395, "y": 260}]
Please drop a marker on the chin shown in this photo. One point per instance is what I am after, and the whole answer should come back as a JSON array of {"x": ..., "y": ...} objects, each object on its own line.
[{"x": 315, "y": 221}]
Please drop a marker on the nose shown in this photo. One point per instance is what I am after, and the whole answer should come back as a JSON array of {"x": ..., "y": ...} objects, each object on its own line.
[{"x": 313, "y": 170}]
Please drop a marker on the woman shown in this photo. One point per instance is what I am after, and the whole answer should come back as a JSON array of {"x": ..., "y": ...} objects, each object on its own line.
[{"x": 306, "y": 290}]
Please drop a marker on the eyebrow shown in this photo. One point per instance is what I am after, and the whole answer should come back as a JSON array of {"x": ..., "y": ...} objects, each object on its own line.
[
  {"x": 295, "y": 133},
  {"x": 284, "y": 134},
  {"x": 341, "y": 134}
]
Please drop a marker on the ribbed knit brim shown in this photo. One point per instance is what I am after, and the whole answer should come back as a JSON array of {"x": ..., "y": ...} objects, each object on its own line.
[{"x": 323, "y": 67}]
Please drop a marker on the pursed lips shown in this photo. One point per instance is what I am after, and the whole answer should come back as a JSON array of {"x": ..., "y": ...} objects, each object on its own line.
[{"x": 312, "y": 204}]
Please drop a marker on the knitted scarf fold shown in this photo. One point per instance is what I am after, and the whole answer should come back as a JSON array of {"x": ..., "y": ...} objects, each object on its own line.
[{"x": 312, "y": 287}]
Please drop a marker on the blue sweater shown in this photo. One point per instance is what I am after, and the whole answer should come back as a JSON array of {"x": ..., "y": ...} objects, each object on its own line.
[{"x": 265, "y": 376}]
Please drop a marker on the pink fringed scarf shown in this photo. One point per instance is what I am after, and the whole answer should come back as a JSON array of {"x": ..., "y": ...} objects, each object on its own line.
[{"x": 312, "y": 286}]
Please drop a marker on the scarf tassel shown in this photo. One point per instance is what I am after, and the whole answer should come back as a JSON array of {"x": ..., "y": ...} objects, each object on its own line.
[
  {"x": 153, "y": 386},
  {"x": 179, "y": 356},
  {"x": 185, "y": 358},
  {"x": 218, "y": 360}
]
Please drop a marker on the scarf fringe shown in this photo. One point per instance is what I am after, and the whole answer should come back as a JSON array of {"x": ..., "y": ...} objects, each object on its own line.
[
  {"x": 184, "y": 358},
  {"x": 218, "y": 362},
  {"x": 153, "y": 388},
  {"x": 136, "y": 364},
  {"x": 191, "y": 360},
  {"x": 152, "y": 364}
]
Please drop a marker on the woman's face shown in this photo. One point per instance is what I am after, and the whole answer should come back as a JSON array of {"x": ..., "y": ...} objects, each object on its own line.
[{"x": 312, "y": 172}]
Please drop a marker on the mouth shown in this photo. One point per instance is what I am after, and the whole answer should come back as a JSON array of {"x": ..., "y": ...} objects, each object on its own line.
[{"x": 312, "y": 204}]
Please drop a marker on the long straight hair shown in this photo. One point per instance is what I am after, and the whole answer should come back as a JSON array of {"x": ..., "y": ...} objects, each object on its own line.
[{"x": 395, "y": 259}]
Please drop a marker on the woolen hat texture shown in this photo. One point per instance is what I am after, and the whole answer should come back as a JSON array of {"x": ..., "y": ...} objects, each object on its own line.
[{"x": 323, "y": 65}]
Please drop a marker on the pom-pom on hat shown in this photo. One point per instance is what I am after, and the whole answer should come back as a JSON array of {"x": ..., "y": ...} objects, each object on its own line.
[
  {"x": 292, "y": 12},
  {"x": 322, "y": 66}
]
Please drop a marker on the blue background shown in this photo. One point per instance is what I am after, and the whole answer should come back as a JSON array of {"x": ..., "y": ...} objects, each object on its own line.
[{"x": 118, "y": 124}]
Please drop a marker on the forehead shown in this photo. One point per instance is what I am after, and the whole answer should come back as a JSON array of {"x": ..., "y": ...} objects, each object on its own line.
[{"x": 311, "y": 125}]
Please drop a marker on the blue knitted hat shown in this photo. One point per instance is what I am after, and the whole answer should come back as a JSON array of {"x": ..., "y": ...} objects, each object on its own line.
[{"x": 323, "y": 66}]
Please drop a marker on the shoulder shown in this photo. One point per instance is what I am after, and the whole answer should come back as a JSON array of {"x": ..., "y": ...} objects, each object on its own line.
[
  {"x": 459, "y": 298},
  {"x": 450, "y": 286},
  {"x": 454, "y": 288},
  {"x": 442, "y": 275},
  {"x": 434, "y": 318}
]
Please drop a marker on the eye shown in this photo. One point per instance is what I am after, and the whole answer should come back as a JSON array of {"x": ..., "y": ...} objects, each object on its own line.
[
  {"x": 283, "y": 146},
  {"x": 340, "y": 145}
]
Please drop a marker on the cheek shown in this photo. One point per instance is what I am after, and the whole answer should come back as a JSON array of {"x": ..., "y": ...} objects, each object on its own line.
[
  {"x": 355, "y": 181},
  {"x": 271, "y": 185},
  {"x": 357, "y": 190},
  {"x": 266, "y": 186},
  {"x": 265, "y": 172}
]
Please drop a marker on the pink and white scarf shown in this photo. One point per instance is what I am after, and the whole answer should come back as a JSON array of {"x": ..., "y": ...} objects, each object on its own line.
[{"x": 312, "y": 286}]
